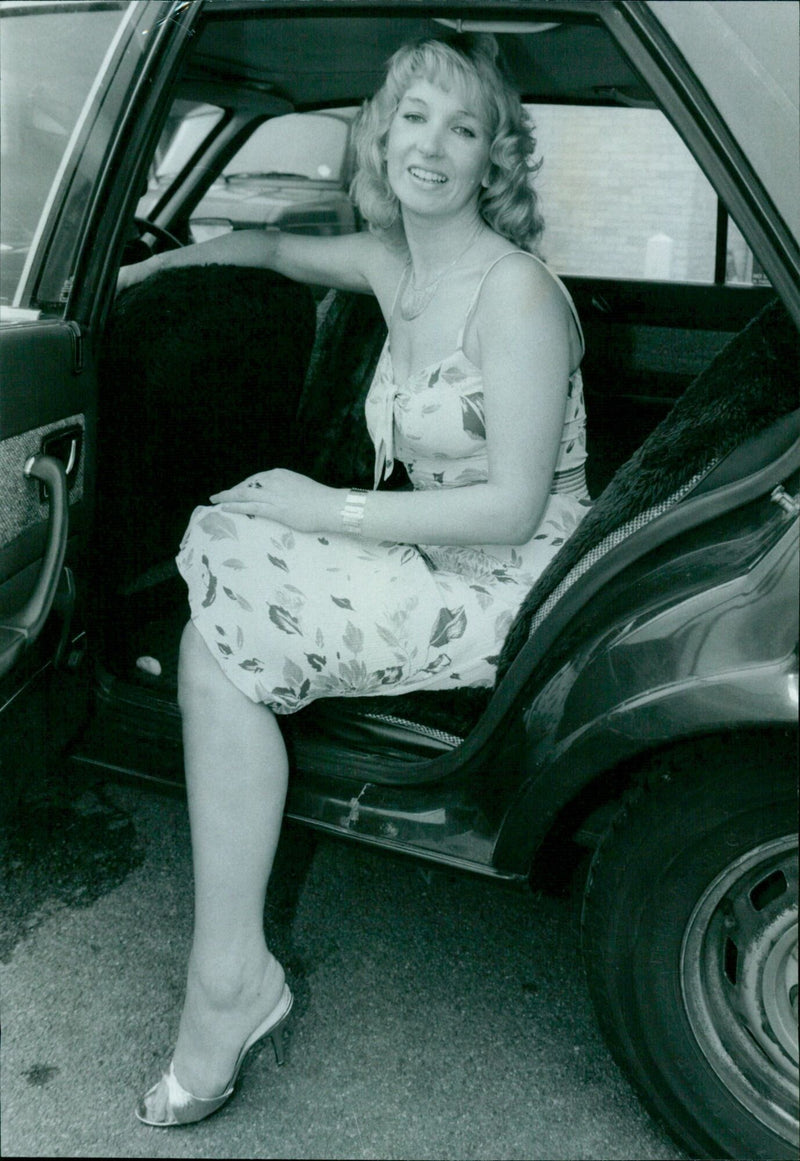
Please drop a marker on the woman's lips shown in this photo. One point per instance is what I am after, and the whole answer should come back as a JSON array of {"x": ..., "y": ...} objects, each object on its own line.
[{"x": 428, "y": 176}]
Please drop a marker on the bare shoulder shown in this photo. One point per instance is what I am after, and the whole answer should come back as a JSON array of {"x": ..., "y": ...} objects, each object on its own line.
[
  {"x": 520, "y": 291},
  {"x": 517, "y": 281}
]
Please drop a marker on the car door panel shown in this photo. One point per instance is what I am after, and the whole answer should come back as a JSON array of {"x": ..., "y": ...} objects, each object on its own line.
[
  {"x": 21, "y": 627},
  {"x": 44, "y": 690},
  {"x": 25, "y": 510},
  {"x": 45, "y": 393},
  {"x": 49, "y": 310},
  {"x": 39, "y": 374}
]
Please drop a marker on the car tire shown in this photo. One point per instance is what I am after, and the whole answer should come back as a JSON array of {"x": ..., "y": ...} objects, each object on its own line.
[{"x": 689, "y": 931}]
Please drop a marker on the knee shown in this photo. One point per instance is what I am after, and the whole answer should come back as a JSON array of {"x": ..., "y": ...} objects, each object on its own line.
[{"x": 201, "y": 682}]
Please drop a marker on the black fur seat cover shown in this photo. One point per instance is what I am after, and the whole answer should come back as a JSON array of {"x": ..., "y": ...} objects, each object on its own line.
[
  {"x": 200, "y": 379},
  {"x": 350, "y": 334}
]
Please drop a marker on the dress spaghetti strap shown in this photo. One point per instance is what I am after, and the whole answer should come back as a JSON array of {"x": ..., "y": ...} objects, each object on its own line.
[{"x": 474, "y": 300}]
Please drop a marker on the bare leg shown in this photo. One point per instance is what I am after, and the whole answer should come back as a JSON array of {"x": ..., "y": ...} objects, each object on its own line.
[{"x": 236, "y": 773}]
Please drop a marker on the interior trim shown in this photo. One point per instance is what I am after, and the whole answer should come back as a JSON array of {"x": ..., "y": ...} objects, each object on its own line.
[{"x": 22, "y": 508}]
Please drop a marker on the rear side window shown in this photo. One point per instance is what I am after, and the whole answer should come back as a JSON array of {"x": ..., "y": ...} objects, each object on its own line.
[{"x": 622, "y": 197}]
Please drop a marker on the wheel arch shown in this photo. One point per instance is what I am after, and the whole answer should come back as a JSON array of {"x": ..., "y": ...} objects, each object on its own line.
[{"x": 574, "y": 801}]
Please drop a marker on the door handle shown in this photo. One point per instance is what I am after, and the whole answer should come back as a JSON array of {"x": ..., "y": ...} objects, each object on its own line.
[
  {"x": 65, "y": 445},
  {"x": 20, "y": 629}
]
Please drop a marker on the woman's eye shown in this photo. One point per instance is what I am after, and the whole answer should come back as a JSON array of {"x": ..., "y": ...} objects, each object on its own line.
[
  {"x": 412, "y": 116},
  {"x": 465, "y": 131}
]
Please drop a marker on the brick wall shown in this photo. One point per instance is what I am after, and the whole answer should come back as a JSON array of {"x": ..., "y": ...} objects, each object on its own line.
[{"x": 623, "y": 197}]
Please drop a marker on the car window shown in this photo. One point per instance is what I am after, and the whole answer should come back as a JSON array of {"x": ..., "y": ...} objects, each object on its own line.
[
  {"x": 187, "y": 128},
  {"x": 308, "y": 145},
  {"x": 622, "y": 197},
  {"x": 293, "y": 172},
  {"x": 50, "y": 105}
]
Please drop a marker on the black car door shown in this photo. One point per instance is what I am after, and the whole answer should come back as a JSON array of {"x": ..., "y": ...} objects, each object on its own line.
[{"x": 80, "y": 92}]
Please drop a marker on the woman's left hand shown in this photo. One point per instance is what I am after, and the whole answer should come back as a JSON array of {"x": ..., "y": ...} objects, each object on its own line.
[{"x": 285, "y": 496}]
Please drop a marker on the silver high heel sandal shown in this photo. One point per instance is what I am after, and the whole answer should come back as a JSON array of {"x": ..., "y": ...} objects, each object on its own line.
[{"x": 183, "y": 1108}]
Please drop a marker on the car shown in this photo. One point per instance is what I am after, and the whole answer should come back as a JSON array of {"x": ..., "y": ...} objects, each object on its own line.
[
  {"x": 292, "y": 172},
  {"x": 646, "y": 703}
]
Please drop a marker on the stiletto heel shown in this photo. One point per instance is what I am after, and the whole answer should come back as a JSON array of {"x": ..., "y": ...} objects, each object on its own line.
[
  {"x": 277, "y": 1043},
  {"x": 168, "y": 1103}
]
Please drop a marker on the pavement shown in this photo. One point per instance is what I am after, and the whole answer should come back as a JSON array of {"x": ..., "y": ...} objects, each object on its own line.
[{"x": 436, "y": 1016}]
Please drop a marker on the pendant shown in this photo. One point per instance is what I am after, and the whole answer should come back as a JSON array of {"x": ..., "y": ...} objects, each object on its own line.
[{"x": 413, "y": 302}]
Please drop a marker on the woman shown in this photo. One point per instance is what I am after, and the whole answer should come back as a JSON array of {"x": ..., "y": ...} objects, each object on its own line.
[{"x": 298, "y": 590}]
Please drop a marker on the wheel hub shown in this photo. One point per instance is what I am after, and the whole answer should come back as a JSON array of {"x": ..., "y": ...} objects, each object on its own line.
[
  {"x": 769, "y": 988},
  {"x": 739, "y": 981}
]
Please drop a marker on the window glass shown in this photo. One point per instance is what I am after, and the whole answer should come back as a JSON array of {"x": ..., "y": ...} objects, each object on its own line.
[
  {"x": 50, "y": 102},
  {"x": 308, "y": 145},
  {"x": 188, "y": 125},
  {"x": 742, "y": 267},
  {"x": 292, "y": 172},
  {"x": 622, "y": 197}
]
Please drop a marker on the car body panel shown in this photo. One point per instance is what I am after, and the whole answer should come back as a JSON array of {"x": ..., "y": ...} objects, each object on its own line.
[
  {"x": 703, "y": 643},
  {"x": 48, "y": 392}
]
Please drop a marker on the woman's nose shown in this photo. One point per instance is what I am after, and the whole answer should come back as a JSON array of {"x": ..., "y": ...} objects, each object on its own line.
[{"x": 431, "y": 140}]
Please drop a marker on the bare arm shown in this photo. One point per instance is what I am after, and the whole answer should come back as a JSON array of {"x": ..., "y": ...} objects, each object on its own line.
[
  {"x": 524, "y": 353},
  {"x": 347, "y": 262}
]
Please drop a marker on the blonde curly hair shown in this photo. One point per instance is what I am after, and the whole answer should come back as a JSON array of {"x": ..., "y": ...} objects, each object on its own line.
[{"x": 508, "y": 203}]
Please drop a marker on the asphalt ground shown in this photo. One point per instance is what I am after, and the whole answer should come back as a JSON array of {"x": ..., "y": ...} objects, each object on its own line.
[{"x": 436, "y": 1015}]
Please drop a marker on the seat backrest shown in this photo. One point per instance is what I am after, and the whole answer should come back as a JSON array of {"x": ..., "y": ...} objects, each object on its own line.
[
  {"x": 350, "y": 334},
  {"x": 750, "y": 385},
  {"x": 200, "y": 377}
]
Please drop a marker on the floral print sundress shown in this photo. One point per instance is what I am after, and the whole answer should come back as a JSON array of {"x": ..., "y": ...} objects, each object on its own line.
[{"x": 293, "y": 616}]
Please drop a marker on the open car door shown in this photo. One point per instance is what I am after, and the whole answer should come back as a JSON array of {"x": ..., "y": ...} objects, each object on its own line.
[{"x": 73, "y": 75}]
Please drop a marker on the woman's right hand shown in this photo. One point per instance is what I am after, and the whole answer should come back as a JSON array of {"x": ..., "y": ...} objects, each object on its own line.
[
  {"x": 125, "y": 278},
  {"x": 135, "y": 272}
]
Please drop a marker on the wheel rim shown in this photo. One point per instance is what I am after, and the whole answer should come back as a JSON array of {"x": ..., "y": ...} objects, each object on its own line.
[{"x": 739, "y": 982}]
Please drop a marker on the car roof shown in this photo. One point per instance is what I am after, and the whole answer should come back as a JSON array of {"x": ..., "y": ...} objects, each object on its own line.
[{"x": 317, "y": 59}]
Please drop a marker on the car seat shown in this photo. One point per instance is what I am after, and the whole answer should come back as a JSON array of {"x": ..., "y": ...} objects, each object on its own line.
[
  {"x": 199, "y": 381},
  {"x": 200, "y": 378},
  {"x": 350, "y": 335}
]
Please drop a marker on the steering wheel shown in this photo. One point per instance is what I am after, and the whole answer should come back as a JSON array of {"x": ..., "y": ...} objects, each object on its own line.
[{"x": 148, "y": 227}]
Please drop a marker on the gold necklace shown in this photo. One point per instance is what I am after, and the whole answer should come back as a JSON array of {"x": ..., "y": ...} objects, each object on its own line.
[{"x": 415, "y": 299}]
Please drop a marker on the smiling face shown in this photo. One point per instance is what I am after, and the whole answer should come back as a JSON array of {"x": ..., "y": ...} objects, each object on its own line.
[{"x": 437, "y": 150}]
